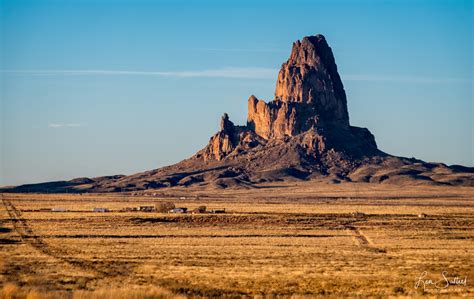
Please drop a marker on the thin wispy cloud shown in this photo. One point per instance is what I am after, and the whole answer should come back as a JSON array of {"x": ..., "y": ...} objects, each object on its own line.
[
  {"x": 65, "y": 125},
  {"x": 239, "y": 50},
  {"x": 407, "y": 79},
  {"x": 229, "y": 72},
  {"x": 232, "y": 72}
]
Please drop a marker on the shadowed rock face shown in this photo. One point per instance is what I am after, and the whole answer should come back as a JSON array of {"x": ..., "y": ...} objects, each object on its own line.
[{"x": 302, "y": 134}]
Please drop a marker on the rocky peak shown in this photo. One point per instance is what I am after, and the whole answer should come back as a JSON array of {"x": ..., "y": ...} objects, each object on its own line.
[
  {"x": 309, "y": 93},
  {"x": 310, "y": 76},
  {"x": 309, "y": 97},
  {"x": 311, "y": 50}
]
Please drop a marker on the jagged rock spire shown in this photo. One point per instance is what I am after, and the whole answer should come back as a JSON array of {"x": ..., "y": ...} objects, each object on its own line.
[
  {"x": 310, "y": 76},
  {"x": 309, "y": 93},
  {"x": 309, "y": 99},
  {"x": 226, "y": 124}
]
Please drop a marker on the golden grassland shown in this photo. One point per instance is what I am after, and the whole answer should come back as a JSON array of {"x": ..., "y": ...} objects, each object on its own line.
[{"x": 297, "y": 240}]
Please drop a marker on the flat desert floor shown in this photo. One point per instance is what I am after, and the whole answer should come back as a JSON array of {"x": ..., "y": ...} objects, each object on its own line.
[{"x": 300, "y": 240}]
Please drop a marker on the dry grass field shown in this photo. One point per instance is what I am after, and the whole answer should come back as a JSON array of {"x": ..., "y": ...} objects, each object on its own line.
[{"x": 300, "y": 240}]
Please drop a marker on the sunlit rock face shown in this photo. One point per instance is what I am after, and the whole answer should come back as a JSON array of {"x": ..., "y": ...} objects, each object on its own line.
[
  {"x": 309, "y": 93},
  {"x": 310, "y": 77}
]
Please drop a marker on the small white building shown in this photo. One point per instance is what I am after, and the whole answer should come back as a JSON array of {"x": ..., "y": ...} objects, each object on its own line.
[
  {"x": 178, "y": 210},
  {"x": 101, "y": 210},
  {"x": 59, "y": 210},
  {"x": 358, "y": 214}
]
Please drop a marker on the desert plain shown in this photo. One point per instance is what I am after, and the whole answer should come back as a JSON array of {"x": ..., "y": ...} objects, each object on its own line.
[{"x": 294, "y": 239}]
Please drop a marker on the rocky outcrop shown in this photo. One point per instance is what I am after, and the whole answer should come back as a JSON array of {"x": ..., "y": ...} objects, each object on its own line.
[
  {"x": 275, "y": 119},
  {"x": 222, "y": 143},
  {"x": 310, "y": 77},
  {"x": 309, "y": 93},
  {"x": 309, "y": 97},
  {"x": 229, "y": 139}
]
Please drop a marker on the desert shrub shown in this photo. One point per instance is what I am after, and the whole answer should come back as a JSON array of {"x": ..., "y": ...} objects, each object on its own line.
[
  {"x": 398, "y": 290},
  {"x": 150, "y": 292},
  {"x": 164, "y": 207}
]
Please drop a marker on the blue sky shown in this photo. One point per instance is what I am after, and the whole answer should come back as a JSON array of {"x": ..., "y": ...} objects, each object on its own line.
[{"x": 92, "y": 88}]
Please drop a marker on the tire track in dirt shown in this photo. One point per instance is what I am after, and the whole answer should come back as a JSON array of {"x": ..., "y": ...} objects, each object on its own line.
[
  {"x": 361, "y": 239},
  {"x": 358, "y": 236},
  {"x": 27, "y": 235}
]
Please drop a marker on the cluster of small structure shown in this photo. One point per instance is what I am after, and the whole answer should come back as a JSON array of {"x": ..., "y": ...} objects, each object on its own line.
[
  {"x": 139, "y": 209},
  {"x": 164, "y": 207},
  {"x": 178, "y": 210},
  {"x": 199, "y": 210}
]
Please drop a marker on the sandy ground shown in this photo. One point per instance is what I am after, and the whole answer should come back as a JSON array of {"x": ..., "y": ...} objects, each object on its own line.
[{"x": 301, "y": 240}]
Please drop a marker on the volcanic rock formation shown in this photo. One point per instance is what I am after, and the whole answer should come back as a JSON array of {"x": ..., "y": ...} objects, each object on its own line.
[
  {"x": 303, "y": 134},
  {"x": 309, "y": 100}
]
